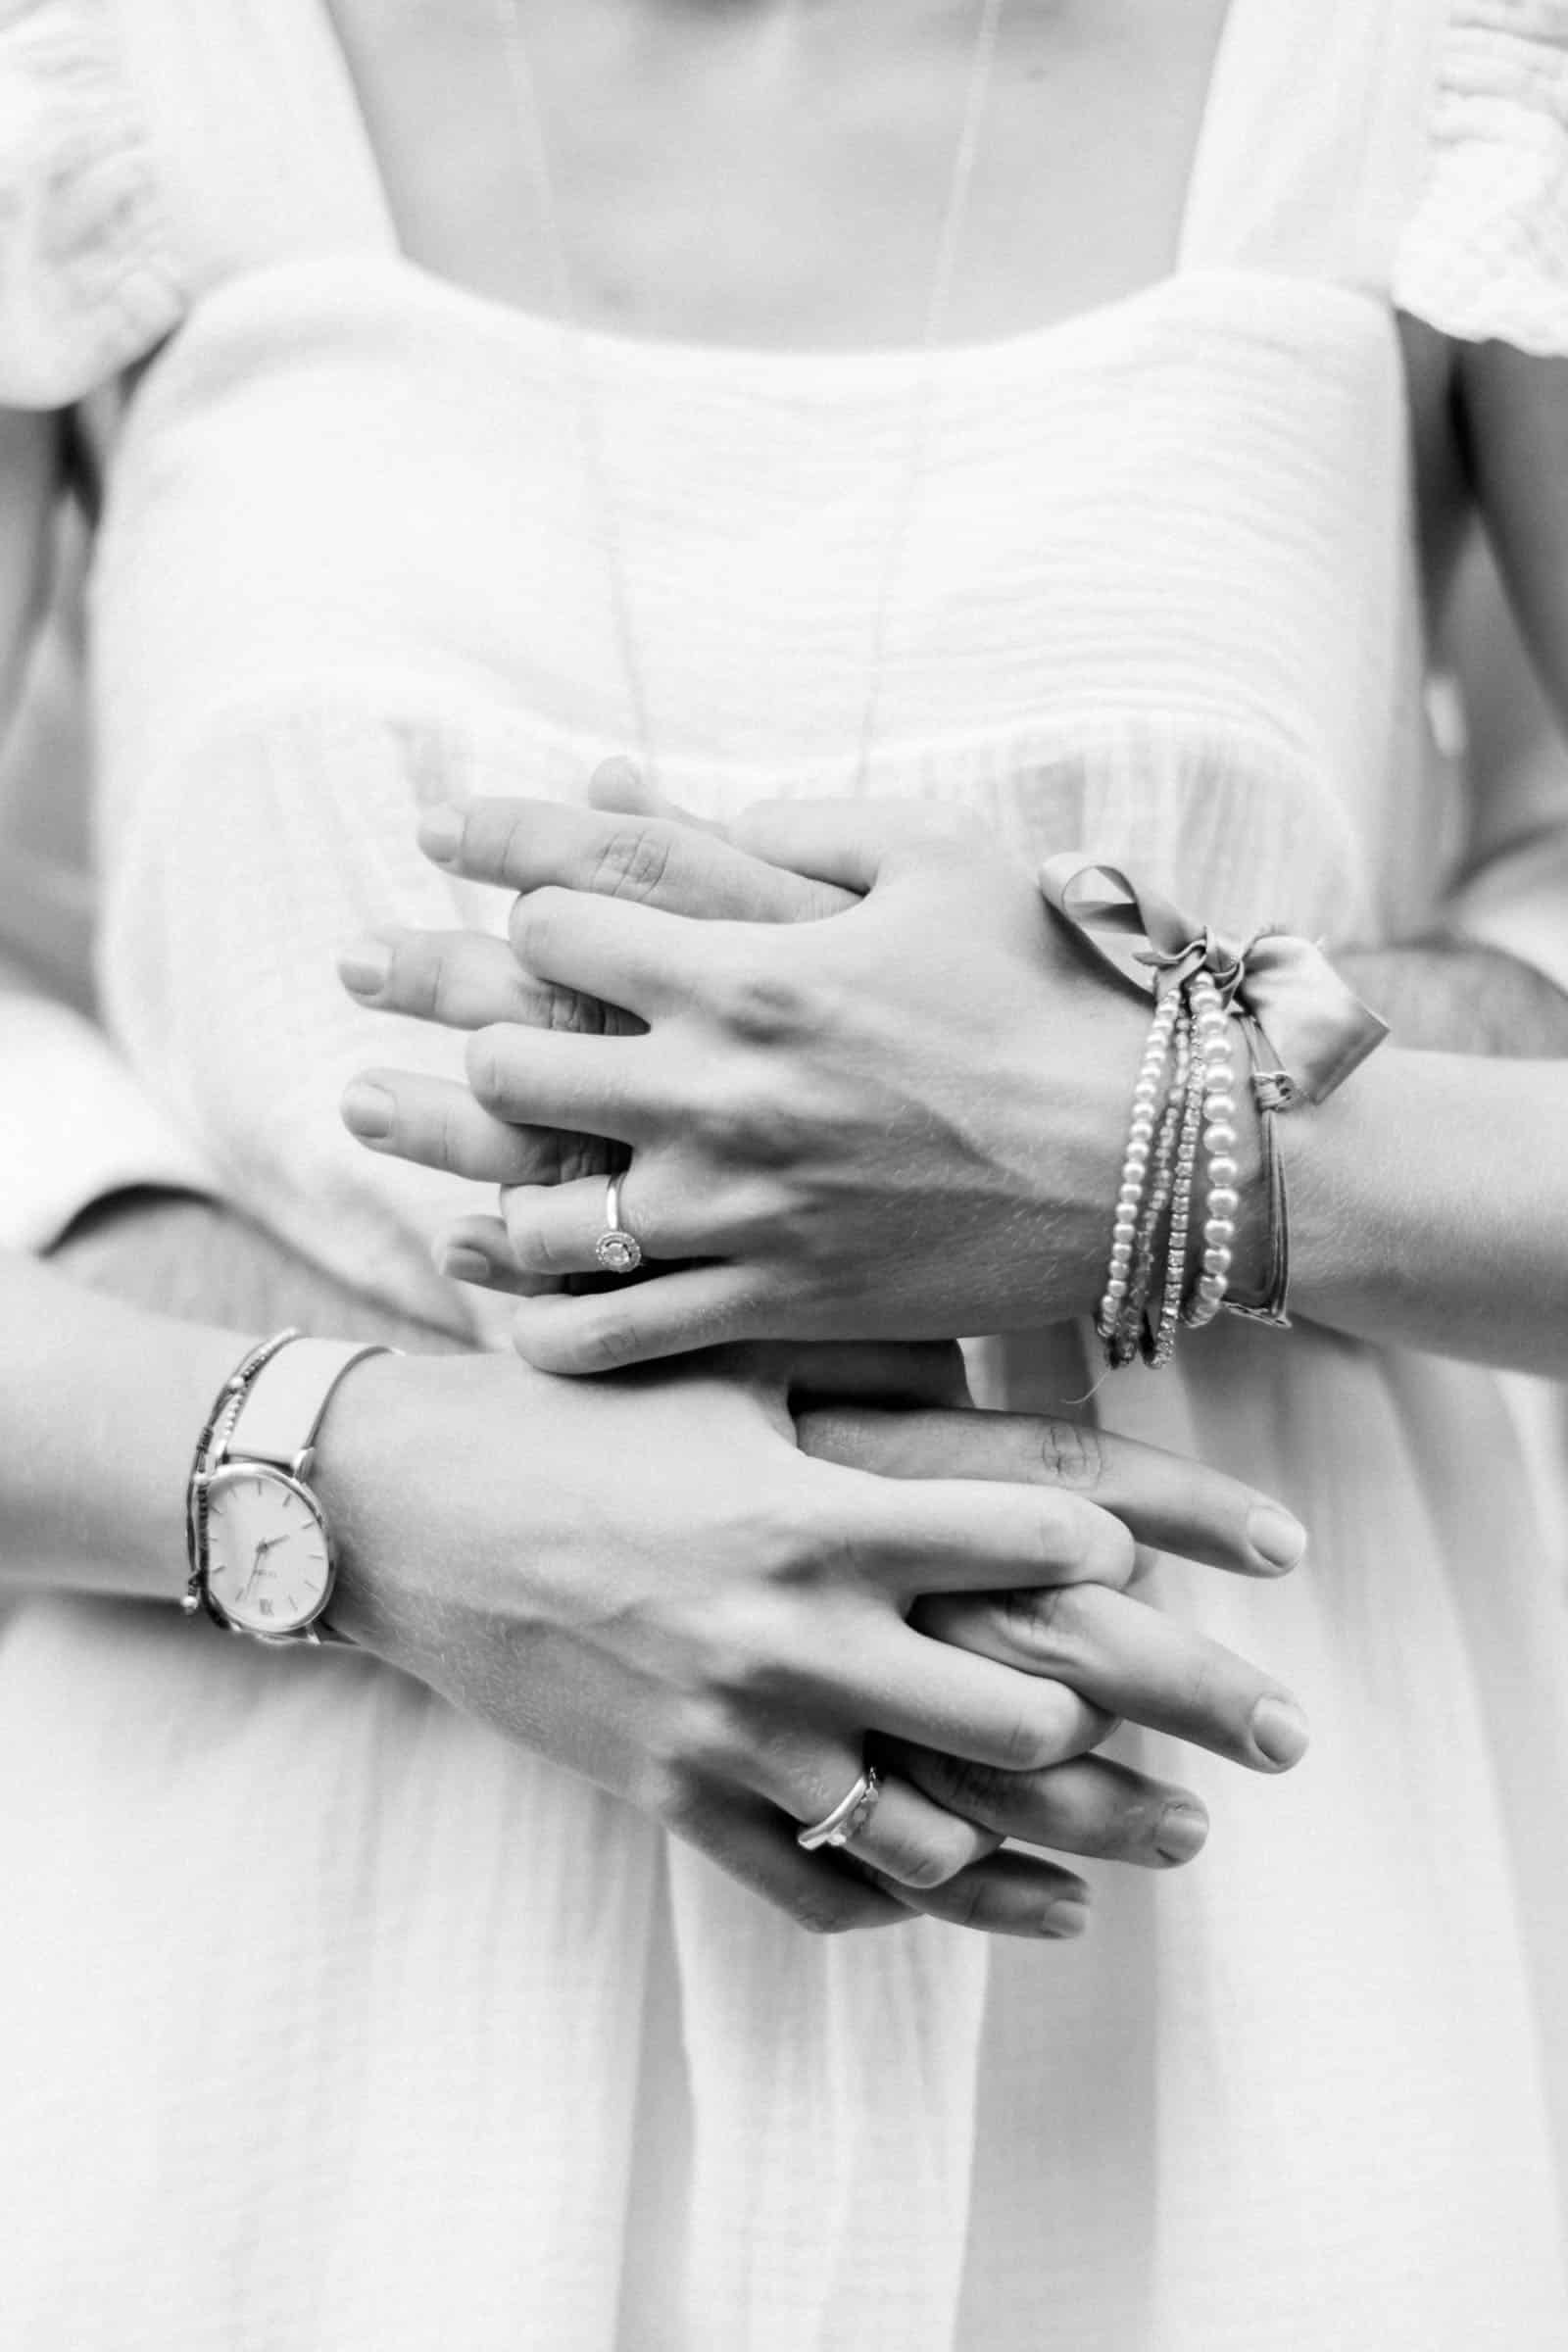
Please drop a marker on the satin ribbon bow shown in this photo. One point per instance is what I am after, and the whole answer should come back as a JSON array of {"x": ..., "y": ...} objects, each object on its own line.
[{"x": 1316, "y": 1027}]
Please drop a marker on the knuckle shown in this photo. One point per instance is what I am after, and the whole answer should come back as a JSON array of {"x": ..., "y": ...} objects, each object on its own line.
[
  {"x": 761, "y": 1004},
  {"x": 1042, "y": 1625},
  {"x": 533, "y": 1157},
  {"x": 1146, "y": 1559},
  {"x": 633, "y": 863},
  {"x": 534, "y": 928},
  {"x": 915, "y": 1858},
  {"x": 1025, "y": 1745},
  {"x": 448, "y": 1149},
  {"x": 505, "y": 839},
  {"x": 693, "y": 1747},
  {"x": 744, "y": 1661},
  {"x": 576, "y": 1156},
  {"x": 1108, "y": 1553},
  {"x": 606, "y": 1344},
  {"x": 416, "y": 981},
  {"x": 438, "y": 985},
  {"x": 829, "y": 1910},
  {"x": 676, "y": 1795},
  {"x": 703, "y": 1742},
  {"x": 532, "y": 1246},
  {"x": 758, "y": 1123},
  {"x": 485, "y": 1064},
  {"x": 567, "y": 1010},
  {"x": 814, "y": 1551},
  {"x": 788, "y": 1532},
  {"x": 1072, "y": 1454},
  {"x": 974, "y": 1791},
  {"x": 928, "y": 1867},
  {"x": 966, "y": 1902},
  {"x": 710, "y": 1115}
]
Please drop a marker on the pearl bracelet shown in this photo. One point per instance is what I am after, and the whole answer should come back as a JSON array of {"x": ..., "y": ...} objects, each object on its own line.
[
  {"x": 1216, "y": 1032},
  {"x": 1307, "y": 1033},
  {"x": 1184, "y": 1101}
]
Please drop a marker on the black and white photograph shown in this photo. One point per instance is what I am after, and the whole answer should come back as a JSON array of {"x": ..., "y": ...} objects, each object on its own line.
[{"x": 783, "y": 1175}]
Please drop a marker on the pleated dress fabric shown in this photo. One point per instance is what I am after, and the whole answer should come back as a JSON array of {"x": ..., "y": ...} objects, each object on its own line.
[{"x": 331, "y": 2023}]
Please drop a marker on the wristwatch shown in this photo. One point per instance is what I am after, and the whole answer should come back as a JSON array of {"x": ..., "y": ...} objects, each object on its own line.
[{"x": 264, "y": 1563}]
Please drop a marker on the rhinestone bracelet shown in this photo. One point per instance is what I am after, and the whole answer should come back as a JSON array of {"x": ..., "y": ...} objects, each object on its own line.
[
  {"x": 1160, "y": 1346},
  {"x": 1149, "y": 1099},
  {"x": 218, "y": 1422}
]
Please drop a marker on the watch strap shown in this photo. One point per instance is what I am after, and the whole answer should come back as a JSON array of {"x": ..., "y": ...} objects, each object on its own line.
[{"x": 284, "y": 1403}]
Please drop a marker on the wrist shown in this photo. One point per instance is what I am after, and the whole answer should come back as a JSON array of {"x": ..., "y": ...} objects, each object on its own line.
[
  {"x": 1249, "y": 1274},
  {"x": 370, "y": 1431},
  {"x": 143, "y": 1417},
  {"x": 1336, "y": 1233}
]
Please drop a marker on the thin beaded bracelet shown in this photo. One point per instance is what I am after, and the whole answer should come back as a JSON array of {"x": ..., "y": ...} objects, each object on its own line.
[
  {"x": 1273, "y": 1091},
  {"x": 218, "y": 1422},
  {"x": 1183, "y": 1095},
  {"x": 1147, "y": 1096},
  {"x": 1131, "y": 1334},
  {"x": 1159, "y": 1350},
  {"x": 1307, "y": 1033}
]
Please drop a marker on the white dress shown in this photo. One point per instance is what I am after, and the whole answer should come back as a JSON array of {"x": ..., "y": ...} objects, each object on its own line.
[{"x": 327, "y": 2022}]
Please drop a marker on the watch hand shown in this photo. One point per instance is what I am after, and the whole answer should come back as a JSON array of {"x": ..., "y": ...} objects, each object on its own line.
[{"x": 268, "y": 1544}]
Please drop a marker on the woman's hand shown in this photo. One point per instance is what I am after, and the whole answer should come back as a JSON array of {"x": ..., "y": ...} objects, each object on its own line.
[
  {"x": 905, "y": 1120},
  {"x": 646, "y": 1581}
]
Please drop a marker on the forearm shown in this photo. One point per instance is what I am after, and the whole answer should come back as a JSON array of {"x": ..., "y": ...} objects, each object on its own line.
[
  {"x": 100, "y": 1406},
  {"x": 1452, "y": 997},
  {"x": 1429, "y": 1207},
  {"x": 101, "y": 1398}
]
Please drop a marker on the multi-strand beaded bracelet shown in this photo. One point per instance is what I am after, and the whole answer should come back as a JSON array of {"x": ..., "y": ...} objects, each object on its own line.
[
  {"x": 1280, "y": 1001},
  {"x": 1186, "y": 1093}
]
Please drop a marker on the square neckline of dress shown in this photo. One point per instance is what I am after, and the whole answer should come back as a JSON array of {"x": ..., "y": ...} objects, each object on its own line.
[{"x": 529, "y": 326}]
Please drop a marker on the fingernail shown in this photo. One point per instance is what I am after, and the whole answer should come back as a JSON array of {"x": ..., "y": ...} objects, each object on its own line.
[
  {"x": 464, "y": 1265},
  {"x": 366, "y": 967},
  {"x": 368, "y": 1111},
  {"x": 1275, "y": 1536},
  {"x": 441, "y": 834},
  {"x": 1279, "y": 1732},
  {"x": 1183, "y": 1832},
  {"x": 1068, "y": 1915}
]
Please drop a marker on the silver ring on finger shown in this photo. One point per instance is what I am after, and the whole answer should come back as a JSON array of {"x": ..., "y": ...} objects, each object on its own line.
[
  {"x": 847, "y": 1818},
  {"x": 616, "y": 1251}
]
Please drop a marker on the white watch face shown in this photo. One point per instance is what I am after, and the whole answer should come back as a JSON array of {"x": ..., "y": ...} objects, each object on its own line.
[{"x": 267, "y": 1565}]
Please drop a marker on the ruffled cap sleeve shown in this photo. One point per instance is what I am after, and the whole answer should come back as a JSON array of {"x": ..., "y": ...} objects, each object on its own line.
[
  {"x": 87, "y": 282},
  {"x": 1485, "y": 254}
]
